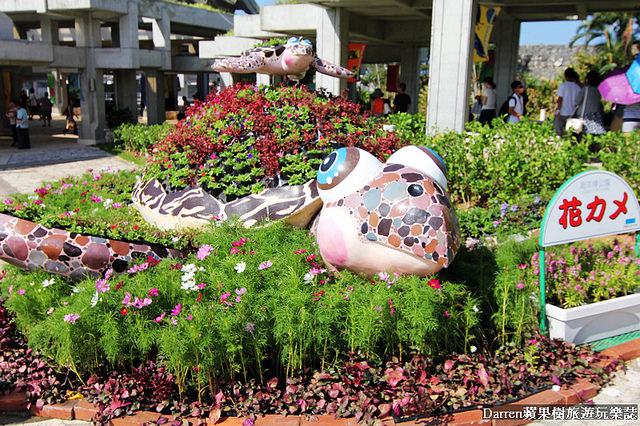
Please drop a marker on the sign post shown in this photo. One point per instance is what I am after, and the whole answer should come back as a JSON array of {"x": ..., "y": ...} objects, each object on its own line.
[{"x": 591, "y": 204}]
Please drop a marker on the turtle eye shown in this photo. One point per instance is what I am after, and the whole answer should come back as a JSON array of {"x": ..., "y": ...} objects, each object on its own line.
[
  {"x": 292, "y": 40},
  {"x": 303, "y": 41},
  {"x": 422, "y": 159},
  {"x": 344, "y": 171}
]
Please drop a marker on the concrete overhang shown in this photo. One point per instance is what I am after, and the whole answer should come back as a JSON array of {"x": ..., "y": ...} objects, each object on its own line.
[
  {"x": 225, "y": 46},
  {"x": 249, "y": 26},
  {"x": 299, "y": 19},
  {"x": 20, "y": 52}
]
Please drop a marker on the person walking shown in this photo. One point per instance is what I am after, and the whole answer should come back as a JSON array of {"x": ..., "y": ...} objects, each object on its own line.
[
  {"x": 22, "y": 127},
  {"x": 33, "y": 103},
  {"x": 488, "y": 111},
  {"x": 567, "y": 100},
  {"x": 70, "y": 123},
  {"x": 590, "y": 105},
  {"x": 12, "y": 114},
  {"x": 401, "y": 101},
  {"x": 516, "y": 102},
  {"x": 45, "y": 109}
]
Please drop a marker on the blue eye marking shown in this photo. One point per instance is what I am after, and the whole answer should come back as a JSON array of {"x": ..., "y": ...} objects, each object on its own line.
[{"x": 331, "y": 165}]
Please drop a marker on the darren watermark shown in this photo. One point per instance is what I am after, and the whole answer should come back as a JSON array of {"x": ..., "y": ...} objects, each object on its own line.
[{"x": 619, "y": 412}]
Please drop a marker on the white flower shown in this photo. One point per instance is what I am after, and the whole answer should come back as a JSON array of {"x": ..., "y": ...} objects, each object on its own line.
[
  {"x": 556, "y": 388},
  {"x": 475, "y": 308},
  {"x": 94, "y": 299},
  {"x": 31, "y": 283},
  {"x": 240, "y": 267},
  {"x": 308, "y": 277},
  {"x": 47, "y": 283},
  {"x": 473, "y": 349},
  {"x": 175, "y": 239},
  {"x": 107, "y": 203},
  {"x": 76, "y": 289}
]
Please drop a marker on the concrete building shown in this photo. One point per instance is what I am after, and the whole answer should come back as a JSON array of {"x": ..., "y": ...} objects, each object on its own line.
[
  {"x": 401, "y": 31},
  {"x": 87, "y": 38}
]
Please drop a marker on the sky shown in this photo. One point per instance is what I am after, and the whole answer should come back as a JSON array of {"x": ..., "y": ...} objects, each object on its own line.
[{"x": 554, "y": 32}]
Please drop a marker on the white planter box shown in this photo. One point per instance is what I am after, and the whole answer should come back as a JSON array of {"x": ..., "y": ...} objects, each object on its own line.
[{"x": 596, "y": 321}]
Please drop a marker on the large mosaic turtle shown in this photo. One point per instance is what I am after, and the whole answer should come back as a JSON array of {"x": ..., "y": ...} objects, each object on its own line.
[
  {"x": 31, "y": 246},
  {"x": 292, "y": 59},
  {"x": 367, "y": 216}
]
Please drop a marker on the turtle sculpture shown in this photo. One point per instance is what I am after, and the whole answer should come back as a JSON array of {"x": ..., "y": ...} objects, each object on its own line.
[
  {"x": 31, "y": 246},
  {"x": 292, "y": 59},
  {"x": 370, "y": 216}
]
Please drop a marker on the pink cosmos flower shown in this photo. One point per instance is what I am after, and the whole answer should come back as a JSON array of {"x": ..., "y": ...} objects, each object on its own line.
[
  {"x": 176, "y": 310},
  {"x": 204, "y": 252},
  {"x": 160, "y": 318},
  {"x": 50, "y": 311},
  {"x": 127, "y": 299},
  {"x": 265, "y": 265},
  {"x": 71, "y": 318},
  {"x": 520, "y": 285},
  {"x": 22, "y": 291},
  {"x": 241, "y": 291},
  {"x": 154, "y": 292},
  {"x": 447, "y": 313}
]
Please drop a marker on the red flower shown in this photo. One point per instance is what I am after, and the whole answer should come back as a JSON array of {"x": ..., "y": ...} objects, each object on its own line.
[
  {"x": 118, "y": 285},
  {"x": 433, "y": 283},
  {"x": 136, "y": 227},
  {"x": 124, "y": 311},
  {"x": 114, "y": 226}
]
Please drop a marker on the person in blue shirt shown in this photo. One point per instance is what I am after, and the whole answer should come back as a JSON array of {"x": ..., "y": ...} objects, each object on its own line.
[{"x": 22, "y": 126}]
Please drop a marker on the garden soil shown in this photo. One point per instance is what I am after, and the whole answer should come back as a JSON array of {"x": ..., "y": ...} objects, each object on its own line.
[{"x": 54, "y": 156}]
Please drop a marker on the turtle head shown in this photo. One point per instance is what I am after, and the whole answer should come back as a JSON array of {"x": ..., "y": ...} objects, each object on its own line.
[{"x": 299, "y": 46}]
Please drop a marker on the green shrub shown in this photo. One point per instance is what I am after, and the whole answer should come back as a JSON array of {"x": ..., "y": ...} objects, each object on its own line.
[
  {"x": 140, "y": 137},
  {"x": 620, "y": 154}
]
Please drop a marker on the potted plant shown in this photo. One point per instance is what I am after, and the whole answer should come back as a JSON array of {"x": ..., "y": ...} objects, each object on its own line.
[{"x": 593, "y": 290}]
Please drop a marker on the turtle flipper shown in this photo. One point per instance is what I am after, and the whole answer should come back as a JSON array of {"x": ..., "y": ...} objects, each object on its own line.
[
  {"x": 333, "y": 70},
  {"x": 243, "y": 65}
]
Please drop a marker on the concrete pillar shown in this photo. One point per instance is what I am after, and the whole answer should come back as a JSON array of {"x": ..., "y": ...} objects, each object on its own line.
[
  {"x": 128, "y": 28},
  {"x": 155, "y": 96},
  {"x": 161, "y": 31},
  {"x": 506, "y": 36},
  {"x": 450, "y": 65},
  {"x": 409, "y": 75},
  {"x": 226, "y": 80},
  {"x": 6, "y": 27},
  {"x": 49, "y": 31},
  {"x": 60, "y": 88},
  {"x": 332, "y": 44},
  {"x": 263, "y": 79},
  {"x": 171, "y": 90},
  {"x": 126, "y": 90},
  {"x": 91, "y": 130}
]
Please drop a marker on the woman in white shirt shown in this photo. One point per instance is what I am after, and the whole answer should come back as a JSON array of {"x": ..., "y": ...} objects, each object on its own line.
[{"x": 488, "y": 112}]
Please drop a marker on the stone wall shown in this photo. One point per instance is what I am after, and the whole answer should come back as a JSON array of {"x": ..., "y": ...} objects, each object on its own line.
[{"x": 548, "y": 61}]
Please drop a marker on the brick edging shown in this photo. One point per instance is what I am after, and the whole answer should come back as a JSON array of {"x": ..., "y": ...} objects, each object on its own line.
[{"x": 582, "y": 390}]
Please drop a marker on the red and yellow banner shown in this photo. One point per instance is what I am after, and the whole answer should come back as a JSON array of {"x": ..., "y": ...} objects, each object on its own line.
[{"x": 354, "y": 61}]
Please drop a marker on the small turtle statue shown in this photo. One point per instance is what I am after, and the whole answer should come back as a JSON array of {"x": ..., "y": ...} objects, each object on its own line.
[{"x": 292, "y": 59}]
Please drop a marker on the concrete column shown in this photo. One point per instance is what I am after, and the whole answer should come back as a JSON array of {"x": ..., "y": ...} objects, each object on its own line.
[
  {"x": 91, "y": 130},
  {"x": 506, "y": 36},
  {"x": 60, "y": 87},
  {"x": 128, "y": 28},
  {"x": 126, "y": 90},
  {"x": 332, "y": 44},
  {"x": 161, "y": 30},
  {"x": 409, "y": 75},
  {"x": 263, "y": 79},
  {"x": 226, "y": 80},
  {"x": 155, "y": 96},
  {"x": 49, "y": 31},
  {"x": 6, "y": 27},
  {"x": 450, "y": 67}
]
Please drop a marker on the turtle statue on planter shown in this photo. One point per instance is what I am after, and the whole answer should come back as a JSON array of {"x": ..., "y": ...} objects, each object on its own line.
[
  {"x": 293, "y": 59},
  {"x": 367, "y": 216}
]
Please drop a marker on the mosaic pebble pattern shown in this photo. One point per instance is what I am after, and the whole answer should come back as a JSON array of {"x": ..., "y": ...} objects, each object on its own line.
[
  {"x": 405, "y": 209},
  {"x": 31, "y": 246}
]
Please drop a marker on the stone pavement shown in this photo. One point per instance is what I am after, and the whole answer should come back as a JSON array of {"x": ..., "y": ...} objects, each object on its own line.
[{"x": 52, "y": 156}]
